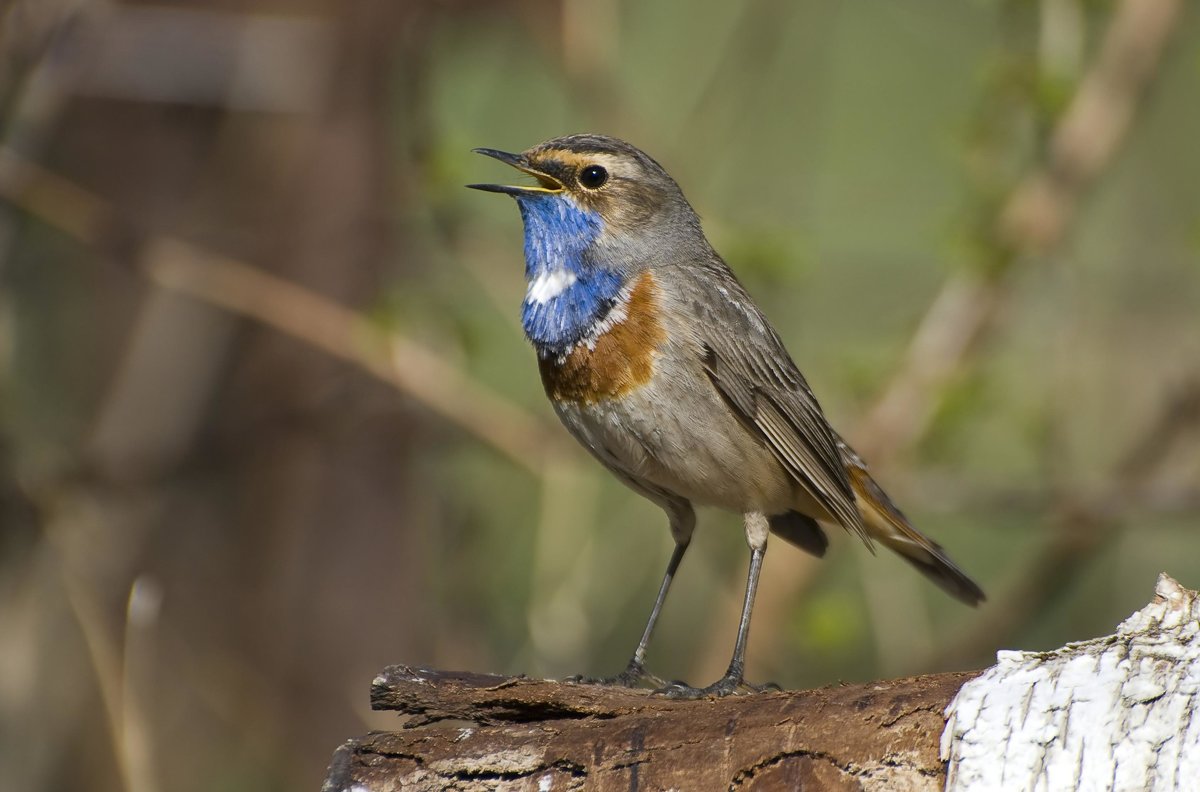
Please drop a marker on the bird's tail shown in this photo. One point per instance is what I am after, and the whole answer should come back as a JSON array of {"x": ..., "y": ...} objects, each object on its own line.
[{"x": 888, "y": 525}]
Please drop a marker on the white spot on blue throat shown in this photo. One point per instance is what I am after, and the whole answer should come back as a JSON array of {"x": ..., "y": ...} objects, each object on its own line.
[
  {"x": 569, "y": 288},
  {"x": 548, "y": 284}
]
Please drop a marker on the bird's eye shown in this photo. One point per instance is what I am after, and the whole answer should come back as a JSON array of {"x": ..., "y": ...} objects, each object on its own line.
[{"x": 593, "y": 177}]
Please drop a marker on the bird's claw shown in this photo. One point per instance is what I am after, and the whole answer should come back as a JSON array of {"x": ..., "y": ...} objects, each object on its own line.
[
  {"x": 634, "y": 676},
  {"x": 725, "y": 686}
]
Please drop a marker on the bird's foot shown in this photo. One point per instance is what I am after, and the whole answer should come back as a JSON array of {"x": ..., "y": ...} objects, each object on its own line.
[
  {"x": 634, "y": 676},
  {"x": 725, "y": 686}
]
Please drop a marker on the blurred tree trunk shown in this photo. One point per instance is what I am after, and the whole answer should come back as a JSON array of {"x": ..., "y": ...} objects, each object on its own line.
[
  {"x": 226, "y": 463},
  {"x": 321, "y": 457}
]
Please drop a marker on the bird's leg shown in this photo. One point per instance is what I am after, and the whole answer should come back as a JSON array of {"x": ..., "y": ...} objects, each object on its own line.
[
  {"x": 756, "y": 535},
  {"x": 635, "y": 674},
  {"x": 637, "y": 663},
  {"x": 683, "y": 522}
]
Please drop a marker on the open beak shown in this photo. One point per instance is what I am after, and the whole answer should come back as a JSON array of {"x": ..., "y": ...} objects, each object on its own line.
[{"x": 546, "y": 182}]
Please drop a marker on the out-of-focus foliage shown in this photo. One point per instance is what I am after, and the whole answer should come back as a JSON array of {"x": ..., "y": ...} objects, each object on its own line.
[{"x": 214, "y": 534}]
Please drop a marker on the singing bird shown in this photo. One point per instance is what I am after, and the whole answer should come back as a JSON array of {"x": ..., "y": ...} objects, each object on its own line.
[{"x": 657, "y": 360}]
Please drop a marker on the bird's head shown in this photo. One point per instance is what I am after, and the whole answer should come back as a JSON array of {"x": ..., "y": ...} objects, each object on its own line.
[
  {"x": 598, "y": 185},
  {"x": 599, "y": 212}
]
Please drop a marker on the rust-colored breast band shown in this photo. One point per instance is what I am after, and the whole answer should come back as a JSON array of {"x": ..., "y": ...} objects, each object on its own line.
[{"x": 620, "y": 361}]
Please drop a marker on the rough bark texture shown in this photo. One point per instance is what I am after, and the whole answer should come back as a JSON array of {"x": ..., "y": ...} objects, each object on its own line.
[
  {"x": 480, "y": 732},
  {"x": 1113, "y": 713}
]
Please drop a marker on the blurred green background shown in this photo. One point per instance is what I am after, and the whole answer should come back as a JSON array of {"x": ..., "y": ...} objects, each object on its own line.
[{"x": 215, "y": 533}]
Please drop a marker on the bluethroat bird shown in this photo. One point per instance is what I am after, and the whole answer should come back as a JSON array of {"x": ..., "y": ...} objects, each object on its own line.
[{"x": 656, "y": 359}]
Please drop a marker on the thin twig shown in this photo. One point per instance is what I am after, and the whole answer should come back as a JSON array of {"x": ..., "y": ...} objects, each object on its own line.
[{"x": 102, "y": 650}]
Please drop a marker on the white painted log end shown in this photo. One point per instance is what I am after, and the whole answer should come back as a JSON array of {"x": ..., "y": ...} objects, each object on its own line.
[{"x": 1113, "y": 713}]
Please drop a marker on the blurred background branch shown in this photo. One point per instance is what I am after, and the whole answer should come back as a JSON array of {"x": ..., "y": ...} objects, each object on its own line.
[
  {"x": 263, "y": 375},
  {"x": 1032, "y": 221},
  {"x": 281, "y": 305}
]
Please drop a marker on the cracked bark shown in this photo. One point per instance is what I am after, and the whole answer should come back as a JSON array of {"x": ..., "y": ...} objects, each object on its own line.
[{"x": 481, "y": 732}]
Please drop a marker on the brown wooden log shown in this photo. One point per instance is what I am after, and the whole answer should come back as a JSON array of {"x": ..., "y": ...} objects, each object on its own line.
[{"x": 481, "y": 732}]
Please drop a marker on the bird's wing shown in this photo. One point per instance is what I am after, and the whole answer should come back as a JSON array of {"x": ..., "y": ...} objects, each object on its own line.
[{"x": 748, "y": 365}]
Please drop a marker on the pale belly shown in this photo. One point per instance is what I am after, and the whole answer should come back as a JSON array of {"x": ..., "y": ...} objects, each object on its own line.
[{"x": 687, "y": 443}]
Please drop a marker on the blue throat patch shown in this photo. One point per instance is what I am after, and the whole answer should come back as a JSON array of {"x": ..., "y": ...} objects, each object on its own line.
[{"x": 557, "y": 236}]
